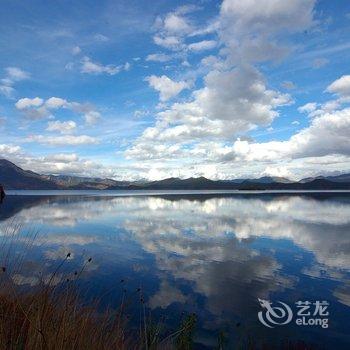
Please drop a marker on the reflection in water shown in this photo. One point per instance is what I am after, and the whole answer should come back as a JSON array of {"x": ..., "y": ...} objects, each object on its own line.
[{"x": 211, "y": 255}]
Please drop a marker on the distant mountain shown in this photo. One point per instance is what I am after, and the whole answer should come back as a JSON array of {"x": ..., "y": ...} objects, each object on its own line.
[
  {"x": 78, "y": 182},
  {"x": 13, "y": 177},
  {"x": 269, "y": 179},
  {"x": 198, "y": 183},
  {"x": 336, "y": 178}
]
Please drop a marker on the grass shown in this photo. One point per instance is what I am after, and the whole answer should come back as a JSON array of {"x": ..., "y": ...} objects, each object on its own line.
[{"x": 53, "y": 316}]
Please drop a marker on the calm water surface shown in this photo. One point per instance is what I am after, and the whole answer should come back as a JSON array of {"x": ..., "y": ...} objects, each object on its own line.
[{"x": 212, "y": 254}]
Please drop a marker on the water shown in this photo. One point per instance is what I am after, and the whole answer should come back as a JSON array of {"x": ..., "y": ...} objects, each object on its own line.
[{"x": 213, "y": 254}]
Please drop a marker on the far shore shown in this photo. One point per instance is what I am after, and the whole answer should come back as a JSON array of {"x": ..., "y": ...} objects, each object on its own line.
[{"x": 140, "y": 192}]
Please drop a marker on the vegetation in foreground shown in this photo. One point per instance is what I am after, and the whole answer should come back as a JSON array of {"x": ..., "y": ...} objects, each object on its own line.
[{"x": 51, "y": 315}]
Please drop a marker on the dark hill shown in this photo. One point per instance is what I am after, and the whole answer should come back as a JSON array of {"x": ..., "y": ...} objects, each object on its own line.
[{"x": 14, "y": 177}]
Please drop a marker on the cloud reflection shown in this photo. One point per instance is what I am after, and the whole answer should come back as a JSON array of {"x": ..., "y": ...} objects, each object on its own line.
[{"x": 208, "y": 244}]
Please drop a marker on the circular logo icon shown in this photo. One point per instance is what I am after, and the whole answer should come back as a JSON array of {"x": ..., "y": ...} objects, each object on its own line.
[{"x": 274, "y": 315}]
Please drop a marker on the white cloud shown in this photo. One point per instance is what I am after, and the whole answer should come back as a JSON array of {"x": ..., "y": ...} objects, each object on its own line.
[
  {"x": 328, "y": 134},
  {"x": 62, "y": 163},
  {"x": 240, "y": 95},
  {"x": 76, "y": 50},
  {"x": 174, "y": 23},
  {"x": 289, "y": 85},
  {"x": 13, "y": 75},
  {"x": 166, "y": 87},
  {"x": 207, "y": 131},
  {"x": 92, "y": 117},
  {"x": 323, "y": 146},
  {"x": 173, "y": 28},
  {"x": 67, "y": 140},
  {"x": 37, "y": 108},
  {"x": 231, "y": 102},
  {"x": 141, "y": 113},
  {"x": 127, "y": 66},
  {"x": 169, "y": 42},
  {"x": 55, "y": 102},
  {"x": 250, "y": 28},
  {"x": 341, "y": 86},
  {"x": 90, "y": 67},
  {"x": 7, "y": 91},
  {"x": 202, "y": 45},
  {"x": 308, "y": 107},
  {"x": 16, "y": 74},
  {"x": 62, "y": 157},
  {"x": 201, "y": 135},
  {"x": 26, "y": 102},
  {"x": 158, "y": 57},
  {"x": 9, "y": 149},
  {"x": 64, "y": 127}
]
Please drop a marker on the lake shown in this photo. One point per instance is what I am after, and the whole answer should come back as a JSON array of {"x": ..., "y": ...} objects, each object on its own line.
[{"x": 212, "y": 254}]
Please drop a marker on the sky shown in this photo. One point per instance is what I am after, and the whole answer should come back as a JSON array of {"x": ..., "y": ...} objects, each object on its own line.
[{"x": 136, "y": 90}]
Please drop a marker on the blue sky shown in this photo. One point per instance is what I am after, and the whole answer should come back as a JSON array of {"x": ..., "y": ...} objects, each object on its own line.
[{"x": 204, "y": 88}]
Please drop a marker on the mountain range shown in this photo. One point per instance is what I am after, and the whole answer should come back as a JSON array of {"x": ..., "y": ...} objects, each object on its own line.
[{"x": 14, "y": 177}]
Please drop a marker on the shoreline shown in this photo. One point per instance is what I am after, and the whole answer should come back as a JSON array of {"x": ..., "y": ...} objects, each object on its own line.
[{"x": 121, "y": 193}]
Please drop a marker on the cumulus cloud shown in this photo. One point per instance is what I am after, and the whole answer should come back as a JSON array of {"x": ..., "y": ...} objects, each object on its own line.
[
  {"x": 250, "y": 28},
  {"x": 56, "y": 102},
  {"x": 90, "y": 67},
  {"x": 37, "y": 108},
  {"x": 240, "y": 95},
  {"x": 166, "y": 87},
  {"x": 206, "y": 130},
  {"x": 173, "y": 28},
  {"x": 61, "y": 163},
  {"x": 169, "y": 42},
  {"x": 26, "y": 102},
  {"x": 64, "y": 127},
  {"x": 9, "y": 149},
  {"x": 327, "y": 135},
  {"x": 341, "y": 86},
  {"x": 16, "y": 74},
  {"x": 13, "y": 75},
  {"x": 231, "y": 102},
  {"x": 322, "y": 146},
  {"x": 308, "y": 107},
  {"x": 92, "y": 117},
  {"x": 175, "y": 23}
]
